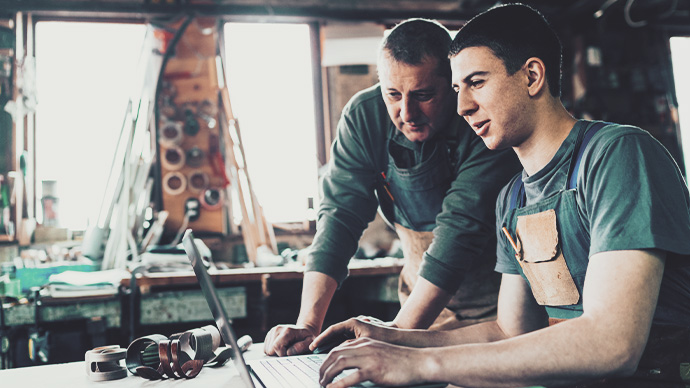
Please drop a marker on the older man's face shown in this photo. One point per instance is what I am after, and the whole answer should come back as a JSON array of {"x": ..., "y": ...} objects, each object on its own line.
[{"x": 419, "y": 100}]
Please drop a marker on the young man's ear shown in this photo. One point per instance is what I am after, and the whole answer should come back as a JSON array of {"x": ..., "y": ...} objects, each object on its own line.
[{"x": 536, "y": 75}]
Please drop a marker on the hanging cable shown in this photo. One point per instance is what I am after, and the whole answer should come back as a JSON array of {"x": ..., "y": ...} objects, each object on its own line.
[
  {"x": 600, "y": 12},
  {"x": 671, "y": 10},
  {"x": 628, "y": 19}
]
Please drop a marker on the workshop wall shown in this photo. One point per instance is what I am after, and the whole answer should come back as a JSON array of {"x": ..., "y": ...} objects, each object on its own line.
[{"x": 614, "y": 72}]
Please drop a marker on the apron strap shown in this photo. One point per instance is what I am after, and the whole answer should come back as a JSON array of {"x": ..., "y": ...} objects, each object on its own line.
[
  {"x": 517, "y": 191},
  {"x": 580, "y": 150}
]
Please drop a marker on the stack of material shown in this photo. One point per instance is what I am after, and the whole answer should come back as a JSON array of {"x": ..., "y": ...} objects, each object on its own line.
[{"x": 256, "y": 231}]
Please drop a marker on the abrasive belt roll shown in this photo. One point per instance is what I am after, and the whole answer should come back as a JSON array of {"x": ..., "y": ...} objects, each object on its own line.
[
  {"x": 182, "y": 355},
  {"x": 173, "y": 158},
  {"x": 103, "y": 363},
  {"x": 174, "y": 183},
  {"x": 197, "y": 181},
  {"x": 171, "y": 134},
  {"x": 211, "y": 199}
]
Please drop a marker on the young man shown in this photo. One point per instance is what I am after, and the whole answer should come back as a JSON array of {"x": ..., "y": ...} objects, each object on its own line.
[
  {"x": 589, "y": 265},
  {"x": 401, "y": 147}
]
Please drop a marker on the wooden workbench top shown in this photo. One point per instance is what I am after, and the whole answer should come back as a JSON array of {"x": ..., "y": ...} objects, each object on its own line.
[{"x": 375, "y": 267}]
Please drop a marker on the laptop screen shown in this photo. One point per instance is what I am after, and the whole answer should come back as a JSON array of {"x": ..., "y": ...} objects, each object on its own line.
[{"x": 217, "y": 310}]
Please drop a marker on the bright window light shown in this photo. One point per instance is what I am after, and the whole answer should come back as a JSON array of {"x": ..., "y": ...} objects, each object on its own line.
[
  {"x": 84, "y": 76},
  {"x": 680, "y": 54},
  {"x": 271, "y": 91}
]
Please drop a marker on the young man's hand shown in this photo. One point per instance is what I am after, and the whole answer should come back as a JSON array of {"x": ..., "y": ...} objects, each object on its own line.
[
  {"x": 288, "y": 340},
  {"x": 375, "y": 361}
]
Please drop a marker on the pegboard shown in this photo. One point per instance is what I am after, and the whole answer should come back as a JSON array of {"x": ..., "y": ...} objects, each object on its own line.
[{"x": 192, "y": 176}]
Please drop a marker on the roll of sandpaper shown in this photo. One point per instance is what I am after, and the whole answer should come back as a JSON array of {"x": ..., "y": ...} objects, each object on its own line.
[
  {"x": 157, "y": 357},
  {"x": 197, "y": 181},
  {"x": 171, "y": 134},
  {"x": 174, "y": 183},
  {"x": 137, "y": 355},
  {"x": 173, "y": 158},
  {"x": 103, "y": 363},
  {"x": 211, "y": 199}
]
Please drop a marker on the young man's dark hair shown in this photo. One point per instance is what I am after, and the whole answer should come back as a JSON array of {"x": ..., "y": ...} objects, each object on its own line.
[
  {"x": 514, "y": 32},
  {"x": 415, "y": 40}
]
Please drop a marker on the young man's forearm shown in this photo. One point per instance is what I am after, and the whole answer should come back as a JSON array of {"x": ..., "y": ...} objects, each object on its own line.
[
  {"x": 419, "y": 338},
  {"x": 564, "y": 353}
]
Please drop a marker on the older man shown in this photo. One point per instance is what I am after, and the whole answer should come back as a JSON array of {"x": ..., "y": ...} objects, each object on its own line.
[{"x": 400, "y": 147}]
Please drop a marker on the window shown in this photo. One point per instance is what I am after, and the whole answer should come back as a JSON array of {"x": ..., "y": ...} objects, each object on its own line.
[
  {"x": 680, "y": 54},
  {"x": 271, "y": 90},
  {"x": 84, "y": 77},
  {"x": 85, "y": 73}
]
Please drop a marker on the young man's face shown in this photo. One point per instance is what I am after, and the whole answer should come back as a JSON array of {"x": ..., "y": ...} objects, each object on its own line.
[
  {"x": 418, "y": 99},
  {"x": 493, "y": 102}
]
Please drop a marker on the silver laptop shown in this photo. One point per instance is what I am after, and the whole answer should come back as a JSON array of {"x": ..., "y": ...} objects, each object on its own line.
[{"x": 273, "y": 372}]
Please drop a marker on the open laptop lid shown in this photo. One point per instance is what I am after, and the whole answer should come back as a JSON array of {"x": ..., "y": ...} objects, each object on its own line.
[{"x": 217, "y": 310}]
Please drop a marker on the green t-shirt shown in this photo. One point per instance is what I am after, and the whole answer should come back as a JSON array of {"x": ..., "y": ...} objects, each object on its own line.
[
  {"x": 463, "y": 235},
  {"x": 630, "y": 195}
]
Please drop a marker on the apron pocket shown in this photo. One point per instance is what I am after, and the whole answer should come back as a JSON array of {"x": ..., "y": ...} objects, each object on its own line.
[{"x": 542, "y": 260}]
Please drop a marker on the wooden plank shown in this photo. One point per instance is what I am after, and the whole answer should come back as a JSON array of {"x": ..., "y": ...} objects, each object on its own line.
[{"x": 229, "y": 276}]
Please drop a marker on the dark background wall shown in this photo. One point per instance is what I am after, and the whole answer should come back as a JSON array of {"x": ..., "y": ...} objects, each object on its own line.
[{"x": 631, "y": 83}]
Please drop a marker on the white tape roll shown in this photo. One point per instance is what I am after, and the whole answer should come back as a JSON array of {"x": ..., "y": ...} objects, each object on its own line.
[
  {"x": 103, "y": 363},
  {"x": 174, "y": 183},
  {"x": 211, "y": 199},
  {"x": 198, "y": 181},
  {"x": 170, "y": 134},
  {"x": 173, "y": 158}
]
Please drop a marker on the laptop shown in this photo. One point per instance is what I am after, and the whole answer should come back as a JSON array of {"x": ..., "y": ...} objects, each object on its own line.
[{"x": 272, "y": 372}]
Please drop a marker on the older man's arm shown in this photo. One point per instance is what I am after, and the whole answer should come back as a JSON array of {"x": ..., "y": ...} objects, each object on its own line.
[{"x": 518, "y": 314}]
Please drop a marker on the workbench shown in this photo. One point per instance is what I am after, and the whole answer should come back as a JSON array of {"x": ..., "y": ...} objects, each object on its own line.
[
  {"x": 255, "y": 298},
  {"x": 73, "y": 375}
]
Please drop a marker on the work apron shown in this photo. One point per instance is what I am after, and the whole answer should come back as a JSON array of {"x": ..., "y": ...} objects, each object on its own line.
[
  {"x": 410, "y": 200},
  {"x": 555, "y": 270}
]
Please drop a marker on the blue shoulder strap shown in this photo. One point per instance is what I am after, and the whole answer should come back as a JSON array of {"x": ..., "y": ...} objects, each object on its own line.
[
  {"x": 517, "y": 191},
  {"x": 572, "y": 182}
]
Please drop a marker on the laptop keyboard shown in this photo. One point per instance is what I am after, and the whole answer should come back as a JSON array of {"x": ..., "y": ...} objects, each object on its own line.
[{"x": 292, "y": 372}]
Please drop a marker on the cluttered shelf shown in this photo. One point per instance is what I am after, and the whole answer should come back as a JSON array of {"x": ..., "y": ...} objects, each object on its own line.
[{"x": 294, "y": 271}]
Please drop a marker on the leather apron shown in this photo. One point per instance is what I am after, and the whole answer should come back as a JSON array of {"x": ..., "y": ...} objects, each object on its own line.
[
  {"x": 555, "y": 269},
  {"x": 410, "y": 200}
]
